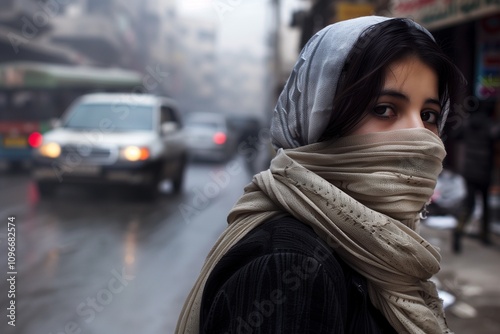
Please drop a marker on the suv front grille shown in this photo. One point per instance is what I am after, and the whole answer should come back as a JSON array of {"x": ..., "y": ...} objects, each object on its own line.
[{"x": 88, "y": 154}]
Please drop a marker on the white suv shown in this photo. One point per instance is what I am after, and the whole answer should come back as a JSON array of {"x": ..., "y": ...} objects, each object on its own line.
[{"x": 127, "y": 139}]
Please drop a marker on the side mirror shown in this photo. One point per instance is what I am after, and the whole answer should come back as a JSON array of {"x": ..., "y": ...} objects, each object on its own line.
[{"x": 168, "y": 127}]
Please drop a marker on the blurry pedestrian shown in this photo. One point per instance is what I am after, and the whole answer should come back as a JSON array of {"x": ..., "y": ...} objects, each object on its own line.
[
  {"x": 478, "y": 135},
  {"x": 325, "y": 240}
]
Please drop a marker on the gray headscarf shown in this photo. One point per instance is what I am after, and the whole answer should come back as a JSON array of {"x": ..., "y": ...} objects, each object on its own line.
[{"x": 304, "y": 106}]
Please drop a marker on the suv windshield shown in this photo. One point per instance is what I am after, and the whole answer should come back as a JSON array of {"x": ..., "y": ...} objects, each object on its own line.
[{"x": 111, "y": 117}]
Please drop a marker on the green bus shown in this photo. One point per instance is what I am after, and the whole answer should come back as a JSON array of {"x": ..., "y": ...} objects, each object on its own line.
[{"x": 33, "y": 95}]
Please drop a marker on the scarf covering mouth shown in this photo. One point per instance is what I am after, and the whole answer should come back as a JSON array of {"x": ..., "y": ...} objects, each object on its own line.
[{"x": 319, "y": 184}]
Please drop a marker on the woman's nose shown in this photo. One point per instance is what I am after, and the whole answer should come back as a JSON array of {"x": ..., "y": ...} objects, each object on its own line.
[{"x": 413, "y": 120}]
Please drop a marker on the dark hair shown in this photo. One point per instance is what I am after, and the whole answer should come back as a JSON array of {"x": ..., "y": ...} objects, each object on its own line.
[{"x": 362, "y": 76}]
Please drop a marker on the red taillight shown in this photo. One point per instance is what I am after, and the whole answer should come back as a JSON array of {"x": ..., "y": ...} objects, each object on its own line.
[
  {"x": 35, "y": 139},
  {"x": 219, "y": 138}
]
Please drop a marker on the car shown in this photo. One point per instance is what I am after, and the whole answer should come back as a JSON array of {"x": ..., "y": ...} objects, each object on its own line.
[
  {"x": 209, "y": 137},
  {"x": 134, "y": 140}
]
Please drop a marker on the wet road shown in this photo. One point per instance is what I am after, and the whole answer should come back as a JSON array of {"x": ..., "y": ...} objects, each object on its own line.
[{"x": 93, "y": 261}]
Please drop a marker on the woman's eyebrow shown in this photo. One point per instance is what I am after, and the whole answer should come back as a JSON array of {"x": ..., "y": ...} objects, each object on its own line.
[
  {"x": 394, "y": 93},
  {"x": 433, "y": 101},
  {"x": 399, "y": 95}
]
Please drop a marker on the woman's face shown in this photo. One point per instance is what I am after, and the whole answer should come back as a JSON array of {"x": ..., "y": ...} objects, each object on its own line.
[{"x": 409, "y": 99}]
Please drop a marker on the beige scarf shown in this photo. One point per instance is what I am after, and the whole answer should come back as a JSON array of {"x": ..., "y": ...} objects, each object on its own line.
[{"x": 362, "y": 194}]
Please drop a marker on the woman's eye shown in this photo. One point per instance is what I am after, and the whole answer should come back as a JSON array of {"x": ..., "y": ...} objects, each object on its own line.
[
  {"x": 384, "y": 111},
  {"x": 430, "y": 117}
]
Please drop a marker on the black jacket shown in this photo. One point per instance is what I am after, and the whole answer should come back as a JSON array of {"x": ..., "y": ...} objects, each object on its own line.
[{"x": 282, "y": 278}]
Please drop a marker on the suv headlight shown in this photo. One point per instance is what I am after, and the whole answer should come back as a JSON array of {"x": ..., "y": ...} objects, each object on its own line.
[
  {"x": 50, "y": 150},
  {"x": 135, "y": 153}
]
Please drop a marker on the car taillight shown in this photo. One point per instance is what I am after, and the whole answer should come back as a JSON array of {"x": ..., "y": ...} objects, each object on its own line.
[
  {"x": 35, "y": 139},
  {"x": 219, "y": 138}
]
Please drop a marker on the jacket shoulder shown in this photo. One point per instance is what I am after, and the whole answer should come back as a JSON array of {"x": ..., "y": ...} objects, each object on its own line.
[{"x": 282, "y": 273}]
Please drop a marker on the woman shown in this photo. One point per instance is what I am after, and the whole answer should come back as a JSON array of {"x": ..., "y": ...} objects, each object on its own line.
[{"x": 325, "y": 240}]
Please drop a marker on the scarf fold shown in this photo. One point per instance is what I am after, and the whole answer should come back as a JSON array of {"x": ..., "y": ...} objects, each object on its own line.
[{"x": 362, "y": 194}]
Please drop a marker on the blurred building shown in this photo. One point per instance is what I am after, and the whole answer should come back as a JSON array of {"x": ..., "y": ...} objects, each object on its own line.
[
  {"x": 131, "y": 34},
  {"x": 162, "y": 32},
  {"x": 158, "y": 44},
  {"x": 195, "y": 61},
  {"x": 107, "y": 31},
  {"x": 240, "y": 79},
  {"x": 24, "y": 26}
]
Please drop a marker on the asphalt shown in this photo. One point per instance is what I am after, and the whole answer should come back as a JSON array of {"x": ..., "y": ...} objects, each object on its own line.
[{"x": 472, "y": 279}]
